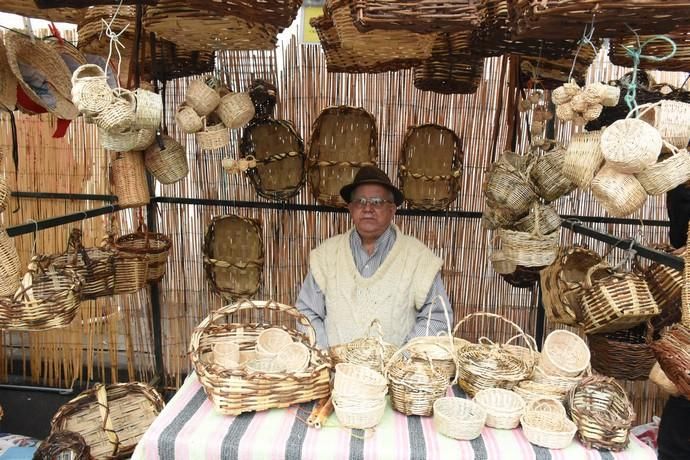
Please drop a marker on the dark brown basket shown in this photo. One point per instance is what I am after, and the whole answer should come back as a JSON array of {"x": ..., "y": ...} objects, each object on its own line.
[
  {"x": 343, "y": 139},
  {"x": 550, "y": 73},
  {"x": 430, "y": 167},
  {"x": 278, "y": 149},
  {"x": 622, "y": 355},
  {"x": 666, "y": 285},
  {"x": 112, "y": 418},
  {"x": 523, "y": 277},
  {"x": 50, "y": 4},
  {"x": 418, "y": 16},
  {"x": 63, "y": 444},
  {"x": 672, "y": 351},
  {"x": 279, "y": 13},
  {"x": 154, "y": 245},
  {"x": 234, "y": 256}
]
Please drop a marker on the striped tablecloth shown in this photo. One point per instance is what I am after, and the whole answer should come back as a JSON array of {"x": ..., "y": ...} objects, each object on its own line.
[{"x": 189, "y": 428}]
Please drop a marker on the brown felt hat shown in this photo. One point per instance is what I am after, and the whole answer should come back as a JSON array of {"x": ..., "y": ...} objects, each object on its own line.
[{"x": 371, "y": 175}]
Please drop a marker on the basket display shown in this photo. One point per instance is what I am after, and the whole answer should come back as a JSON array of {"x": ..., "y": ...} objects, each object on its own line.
[
  {"x": 430, "y": 167},
  {"x": 128, "y": 180},
  {"x": 548, "y": 430},
  {"x": 483, "y": 366},
  {"x": 532, "y": 391},
  {"x": 167, "y": 161},
  {"x": 111, "y": 418},
  {"x": 458, "y": 418},
  {"x": 616, "y": 301},
  {"x": 623, "y": 354},
  {"x": 546, "y": 173},
  {"x": 47, "y": 298},
  {"x": 583, "y": 158},
  {"x": 564, "y": 353},
  {"x": 602, "y": 412},
  {"x": 63, "y": 444},
  {"x": 669, "y": 172},
  {"x": 280, "y": 171},
  {"x": 237, "y": 390},
  {"x": 9, "y": 264},
  {"x": 503, "y": 407},
  {"x": 343, "y": 139},
  {"x": 620, "y": 194},
  {"x": 234, "y": 256}
]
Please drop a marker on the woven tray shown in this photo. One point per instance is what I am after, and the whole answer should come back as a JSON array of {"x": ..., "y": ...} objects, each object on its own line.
[
  {"x": 112, "y": 418},
  {"x": 430, "y": 167},
  {"x": 343, "y": 139},
  {"x": 234, "y": 256},
  {"x": 236, "y": 390},
  {"x": 278, "y": 149}
]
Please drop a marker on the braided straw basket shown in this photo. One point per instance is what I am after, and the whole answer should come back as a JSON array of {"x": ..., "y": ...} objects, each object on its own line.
[
  {"x": 671, "y": 119},
  {"x": 91, "y": 93},
  {"x": 119, "y": 115},
  {"x": 583, "y": 158},
  {"x": 546, "y": 173},
  {"x": 47, "y": 299},
  {"x": 483, "y": 366},
  {"x": 624, "y": 355},
  {"x": 564, "y": 353},
  {"x": 619, "y": 193},
  {"x": 280, "y": 171},
  {"x": 669, "y": 172},
  {"x": 458, "y": 418},
  {"x": 234, "y": 255},
  {"x": 63, "y": 444},
  {"x": 149, "y": 109},
  {"x": 9, "y": 264},
  {"x": 616, "y": 301},
  {"x": 188, "y": 120},
  {"x": 370, "y": 351},
  {"x": 111, "y": 418},
  {"x": 548, "y": 430},
  {"x": 128, "y": 180},
  {"x": 156, "y": 246},
  {"x": 126, "y": 141},
  {"x": 507, "y": 185},
  {"x": 530, "y": 249},
  {"x": 343, "y": 139},
  {"x": 166, "y": 162},
  {"x": 237, "y": 390},
  {"x": 631, "y": 145},
  {"x": 213, "y": 136},
  {"x": 430, "y": 167},
  {"x": 503, "y": 407},
  {"x": 602, "y": 412},
  {"x": 201, "y": 97},
  {"x": 235, "y": 110}
]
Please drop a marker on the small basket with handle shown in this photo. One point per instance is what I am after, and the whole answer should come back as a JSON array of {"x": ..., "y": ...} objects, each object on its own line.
[
  {"x": 620, "y": 194},
  {"x": 91, "y": 93},
  {"x": 213, "y": 136},
  {"x": 156, "y": 246},
  {"x": 235, "y": 110},
  {"x": 167, "y": 162},
  {"x": 370, "y": 351},
  {"x": 670, "y": 171},
  {"x": 188, "y": 120},
  {"x": 631, "y": 145},
  {"x": 201, "y": 97}
]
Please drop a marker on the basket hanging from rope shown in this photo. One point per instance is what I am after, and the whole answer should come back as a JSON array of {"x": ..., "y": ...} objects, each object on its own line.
[
  {"x": 631, "y": 145},
  {"x": 420, "y": 16},
  {"x": 669, "y": 172},
  {"x": 549, "y": 220},
  {"x": 507, "y": 185},
  {"x": 156, "y": 246},
  {"x": 235, "y": 110},
  {"x": 239, "y": 389},
  {"x": 546, "y": 173},
  {"x": 234, "y": 256},
  {"x": 430, "y": 167},
  {"x": 132, "y": 140},
  {"x": 167, "y": 162},
  {"x": 620, "y": 194},
  {"x": 119, "y": 115},
  {"x": 530, "y": 249},
  {"x": 583, "y": 158},
  {"x": 188, "y": 120},
  {"x": 280, "y": 171},
  {"x": 149, "y": 109},
  {"x": 130, "y": 269},
  {"x": 213, "y": 136},
  {"x": 343, "y": 139},
  {"x": 91, "y": 93},
  {"x": 666, "y": 285},
  {"x": 128, "y": 180}
]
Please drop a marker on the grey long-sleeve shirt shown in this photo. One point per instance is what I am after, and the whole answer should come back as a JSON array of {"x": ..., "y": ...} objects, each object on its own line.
[{"x": 311, "y": 301}]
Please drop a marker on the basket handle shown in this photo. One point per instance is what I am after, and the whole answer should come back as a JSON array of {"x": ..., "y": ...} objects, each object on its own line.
[
  {"x": 504, "y": 319},
  {"x": 104, "y": 409},
  {"x": 393, "y": 357},
  {"x": 642, "y": 109},
  {"x": 587, "y": 283},
  {"x": 445, "y": 313},
  {"x": 77, "y": 73}
]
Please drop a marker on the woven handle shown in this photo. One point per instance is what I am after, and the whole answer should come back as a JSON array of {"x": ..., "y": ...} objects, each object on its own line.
[
  {"x": 642, "y": 109},
  {"x": 587, "y": 283},
  {"x": 400, "y": 350},
  {"x": 104, "y": 409},
  {"x": 445, "y": 313},
  {"x": 530, "y": 345}
]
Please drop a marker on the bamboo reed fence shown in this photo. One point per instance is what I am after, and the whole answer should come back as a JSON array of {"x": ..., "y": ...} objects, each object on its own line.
[{"x": 118, "y": 331}]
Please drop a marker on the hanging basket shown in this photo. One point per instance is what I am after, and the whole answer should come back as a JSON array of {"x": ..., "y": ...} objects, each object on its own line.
[
  {"x": 421, "y": 16},
  {"x": 549, "y": 220},
  {"x": 188, "y": 120},
  {"x": 495, "y": 217},
  {"x": 119, "y": 115},
  {"x": 234, "y": 256},
  {"x": 236, "y": 390},
  {"x": 280, "y": 171},
  {"x": 235, "y": 110},
  {"x": 546, "y": 173},
  {"x": 430, "y": 167},
  {"x": 665, "y": 284},
  {"x": 623, "y": 355},
  {"x": 583, "y": 158},
  {"x": 128, "y": 180},
  {"x": 201, "y": 97},
  {"x": 91, "y": 93},
  {"x": 111, "y": 418},
  {"x": 149, "y": 109},
  {"x": 213, "y": 136},
  {"x": 618, "y": 193},
  {"x": 507, "y": 186},
  {"x": 9, "y": 265},
  {"x": 343, "y": 139},
  {"x": 672, "y": 351},
  {"x": 533, "y": 249},
  {"x": 669, "y": 172},
  {"x": 156, "y": 246},
  {"x": 131, "y": 270},
  {"x": 631, "y": 145},
  {"x": 136, "y": 140},
  {"x": 166, "y": 162}
]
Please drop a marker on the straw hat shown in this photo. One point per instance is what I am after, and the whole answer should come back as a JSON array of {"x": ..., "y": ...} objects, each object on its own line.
[
  {"x": 8, "y": 82},
  {"x": 38, "y": 56}
]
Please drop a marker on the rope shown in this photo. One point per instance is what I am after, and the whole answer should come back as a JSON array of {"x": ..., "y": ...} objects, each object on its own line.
[
  {"x": 586, "y": 39},
  {"x": 114, "y": 41}
]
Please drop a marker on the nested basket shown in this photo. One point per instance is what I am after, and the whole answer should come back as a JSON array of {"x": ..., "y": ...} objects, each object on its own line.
[
  {"x": 95, "y": 266},
  {"x": 234, "y": 256},
  {"x": 415, "y": 383},
  {"x": 631, "y": 145},
  {"x": 530, "y": 249},
  {"x": 149, "y": 109},
  {"x": 370, "y": 351},
  {"x": 503, "y": 407},
  {"x": 619, "y": 193},
  {"x": 91, "y": 93},
  {"x": 128, "y": 180},
  {"x": 201, "y": 97},
  {"x": 546, "y": 173},
  {"x": 111, "y": 418},
  {"x": 9, "y": 264},
  {"x": 623, "y": 354},
  {"x": 63, "y": 444},
  {"x": 602, "y": 412},
  {"x": 616, "y": 301},
  {"x": 669, "y": 172},
  {"x": 188, "y": 120},
  {"x": 47, "y": 298},
  {"x": 564, "y": 353},
  {"x": 549, "y": 220},
  {"x": 343, "y": 139},
  {"x": 507, "y": 185},
  {"x": 355, "y": 380},
  {"x": 430, "y": 167},
  {"x": 458, "y": 418},
  {"x": 138, "y": 139},
  {"x": 547, "y": 429},
  {"x": 358, "y": 414},
  {"x": 156, "y": 246},
  {"x": 557, "y": 386},
  {"x": 166, "y": 162},
  {"x": 278, "y": 149},
  {"x": 532, "y": 391},
  {"x": 489, "y": 365},
  {"x": 235, "y": 110},
  {"x": 583, "y": 158},
  {"x": 237, "y": 390},
  {"x": 213, "y": 136}
]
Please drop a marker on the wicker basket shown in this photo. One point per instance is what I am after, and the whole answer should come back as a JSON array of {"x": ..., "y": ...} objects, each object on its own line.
[
  {"x": 458, "y": 418},
  {"x": 583, "y": 158},
  {"x": 63, "y": 444},
  {"x": 532, "y": 391},
  {"x": 503, "y": 407},
  {"x": 546, "y": 173},
  {"x": 507, "y": 185},
  {"x": 131, "y": 270},
  {"x": 119, "y": 115},
  {"x": 430, "y": 167},
  {"x": 343, "y": 139},
  {"x": 5, "y": 193},
  {"x": 213, "y": 136},
  {"x": 95, "y": 266},
  {"x": 602, "y": 412},
  {"x": 201, "y": 97},
  {"x": 264, "y": 95},
  {"x": 188, "y": 120},
  {"x": 564, "y": 353},
  {"x": 359, "y": 415},
  {"x": 234, "y": 256},
  {"x": 235, "y": 110},
  {"x": 129, "y": 140},
  {"x": 46, "y": 299},
  {"x": 495, "y": 217},
  {"x": 166, "y": 162},
  {"x": 659, "y": 378},
  {"x": 549, "y": 405},
  {"x": 619, "y": 193},
  {"x": 271, "y": 341},
  {"x": 112, "y": 418},
  {"x": 91, "y": 93},
  {"x": 280, "y": 171},
  {"x": 623, "y": 355},
  {"x": 149, "y": 109},
  {"x": 548, "y": 430},
  {"x": 530, "y": 249},
  {"x": 354, "y": 380},
  {"x": 421, "y": 16},
  {"x": 549, "y": 220},
  {"x": 615, "y": 301},
  {"x": 128, "y": 180},
  {"x": 671, "y": 119},
  {"x": 370, "y": 351},
  {"x": 482, "y": 366},
  {"x": 237, "y": 390},
  {"x": 156, "y": 246},
  {"x": 630, "y": 146},
  {"x": 9, "y": 264},
  {"x": 665, "y": 284},
  {"x": 556, "y": 385},
  {"x": 669, "y": 172}
]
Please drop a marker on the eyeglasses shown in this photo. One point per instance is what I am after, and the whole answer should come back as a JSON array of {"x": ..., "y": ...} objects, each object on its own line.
[{"x": 375, "y": 202}]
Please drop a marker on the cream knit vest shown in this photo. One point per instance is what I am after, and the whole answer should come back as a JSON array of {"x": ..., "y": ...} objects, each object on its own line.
[{"x": 393, "y": 294}]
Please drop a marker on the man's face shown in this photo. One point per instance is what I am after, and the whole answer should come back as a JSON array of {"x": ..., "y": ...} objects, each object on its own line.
[{"x": 371, "y": 220}]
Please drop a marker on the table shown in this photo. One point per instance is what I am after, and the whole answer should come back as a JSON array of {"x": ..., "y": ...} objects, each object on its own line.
[{"x": 189, "y": 428}]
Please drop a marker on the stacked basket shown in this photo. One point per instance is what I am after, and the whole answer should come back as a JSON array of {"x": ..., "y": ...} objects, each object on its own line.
[
  {"x": 546, "y": 424},
  {"x": 359, "y": 396}
]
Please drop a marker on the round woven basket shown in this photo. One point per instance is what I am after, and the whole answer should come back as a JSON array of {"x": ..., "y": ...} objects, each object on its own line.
[
  {"x": 668, "y": 173},
  {"x": 201, "y": 97},
  {"x": 235, "y": 110},
  {"x": 623, "y": 355},
  {"x": 156, "y": 246},
  {"x": 188, "y": 120},
  {"x": 91, "y": 93},
  {"x": 631, "y": 145},
  {"x": 119, "y": 115},
  {"x": 167, "y": 163},
  {"x": 549, "y": 405},
  {"x": 503, "y": 407},
  {"x": 458, "y": 418},
  {"x": 619, "y": 193},
  {"x": 602, "y": 412},
  {"x": 548, "y": 430},
  {"x": 547, "y": 175},
  {"x": 272, "y": 341},
  {"x": 532, "y": 391},
  {"x": 128, "y": 180},
  {"x": 226, "y": 354},
  {"x": 370, "y": 351},
  {"x": 9, "y": 264},
  {"x": 564, "y": 353},
  {"x": 359, "y": 415},
  {"x": 215, "y": 136},
  {"x": 583, "y": 158},
  {"x": 507, "y": 187},
  {"x": 295, "y": 357},
  {"x": 549, "y": 220},
  {"x": 136, "y": 140},
  {"x": 63, "y": 444},
  {"x": 354, "y": 380},
  {"x": 149, "y": 109},
  {"x": 671, "y": 119}
]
